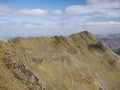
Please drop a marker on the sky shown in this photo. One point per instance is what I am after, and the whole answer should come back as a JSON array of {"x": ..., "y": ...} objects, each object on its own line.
[{"x": 33, "y": 18}]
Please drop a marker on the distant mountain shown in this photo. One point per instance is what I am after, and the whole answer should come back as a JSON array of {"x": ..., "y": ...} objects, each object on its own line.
[
  {"x": 117, "y": 51},
  {"x": 78, "y": 62},
  {"x": 113, "y": 41}
]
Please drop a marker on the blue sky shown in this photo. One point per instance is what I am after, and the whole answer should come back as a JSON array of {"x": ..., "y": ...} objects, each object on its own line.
[
  {"x": 31, "y": 18},
  {"x": 46, "y": 4}
]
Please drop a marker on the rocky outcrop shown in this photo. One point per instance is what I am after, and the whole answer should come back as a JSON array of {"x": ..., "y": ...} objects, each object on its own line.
[{"x": 24, "y": 75}]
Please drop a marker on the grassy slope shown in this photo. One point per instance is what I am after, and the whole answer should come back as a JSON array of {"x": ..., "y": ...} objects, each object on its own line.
[{"x": 72, "y": 63}]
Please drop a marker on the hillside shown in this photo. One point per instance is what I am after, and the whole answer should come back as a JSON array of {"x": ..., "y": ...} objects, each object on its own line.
[
  {"x": 113, "y": 41},
  {"x": 77, "y": 62}
]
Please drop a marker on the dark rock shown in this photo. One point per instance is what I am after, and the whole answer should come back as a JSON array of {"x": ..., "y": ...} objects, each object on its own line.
[
  {"x": 37, "y": 60},
  {"x": 99, "y": 45},
  {"x": 59, "y": 39}
]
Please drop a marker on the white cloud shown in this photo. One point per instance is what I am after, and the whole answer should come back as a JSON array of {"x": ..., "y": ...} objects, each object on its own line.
[
  {"x": 105, "y": 23},
  {"x": 103, "y": 27},
  {"x": 59, "y": 28},
  {"x": 1, "y": 22},
  {"x": 33, "y": 12},
  {"x": 69, "y": 19},
  {"x": 26, "y": 25},
  {"x": 103, "y": 1},
  {"x": 105, "y": 8},
  {"x": 79, "y": 9},
  {"x": 4, "y": 9},
  {"x": 57, "y": 12},
  {"x": 79, "y": 18},
  {"x": 55, "y": 19}
]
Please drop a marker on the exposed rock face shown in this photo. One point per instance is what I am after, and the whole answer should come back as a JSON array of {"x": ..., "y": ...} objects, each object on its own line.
[{"x": 77, "y": 62}]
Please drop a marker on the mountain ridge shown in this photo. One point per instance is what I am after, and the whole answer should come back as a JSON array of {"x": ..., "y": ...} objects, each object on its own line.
[{"x": 78, "y": 62}]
